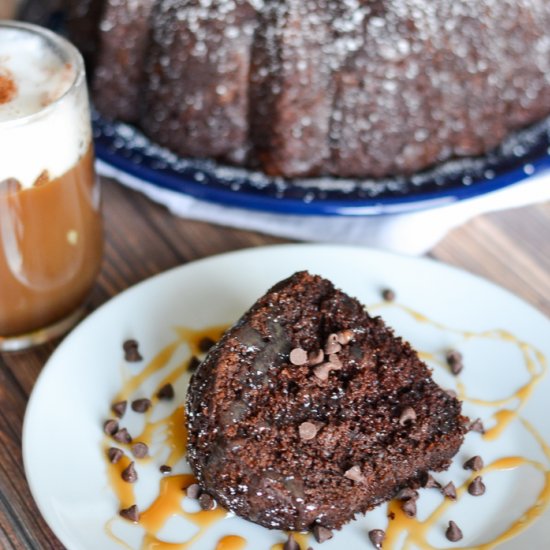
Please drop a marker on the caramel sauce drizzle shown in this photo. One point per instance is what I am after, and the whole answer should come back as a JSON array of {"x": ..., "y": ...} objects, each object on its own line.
[
  {"x": 231, "y": 542},
  {"x": 173, "y": 430},
  {"x": 409, "y": 532}
]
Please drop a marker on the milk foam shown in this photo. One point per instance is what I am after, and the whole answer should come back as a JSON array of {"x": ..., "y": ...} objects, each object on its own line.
[{"x": 57, "y": 134}]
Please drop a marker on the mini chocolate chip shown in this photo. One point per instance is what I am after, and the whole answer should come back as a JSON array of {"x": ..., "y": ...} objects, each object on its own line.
[
  {"x": 165, "y": 469},
  {"x": 291, "y": 544},
  {"x": 193, "y": 491},
  {"x": 110, "y": 427},
  {"x": 131, "y": 514},
  {"x": 194, "y": 362},
  {"x": 119, "y": 408},
  {"x": 391, "y": 515},
  {"x": 166, "y": 392},
  {"x": 409, "y": 507},
  {"x": 377, "y": 537},
  {"x": 475, "y": 463},
  {"x": 298, "y": 357},
  {"x": 345, "y": 336},
  {"x": 407, "y": 494},
  {"x": 122, "y": 436},
  {"x": 453, "y": 533},
  {"x": 114, "y": 455},
  {"x": 129, "y": 473},
  {"x": 333, "y": 347},
  {"x": 407, "y": 415},
  {"x": 316, "y": 357},
  {"x": 477, "y": 487},
  {"x": 322, "y": 371},
  {"x": 477, "y": 426},
  {"x": 321, "y": 533},
  {"x": 206, "y": 343},
  {"x": 307, "y": 431},
  {"x": 140, "y": 450},
  {"x": 388, "y": 294},
  {"x": 141, "y": 405},
  {"x": 131, "y": 352},
  {"x": 354, "y": 473},
  {"x": 207, "y": 502},
  {"x": 449, "y": 490},
  {"x": 430, "y": 483},
  {"x": 454, "y": 360}
]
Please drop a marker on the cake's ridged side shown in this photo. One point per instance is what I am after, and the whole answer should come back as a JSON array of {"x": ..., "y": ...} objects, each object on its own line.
[
  {"x": 246, "y": 403},
  {"x": 196, "y": 93},
  {"x": 124, "y": 43},
  {"x": 324, "y": 87}
]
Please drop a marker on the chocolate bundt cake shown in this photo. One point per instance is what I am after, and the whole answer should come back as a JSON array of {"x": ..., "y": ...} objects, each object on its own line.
[
  {"x": 350, "y": 88},
  {"x": 309, "y": 411}
]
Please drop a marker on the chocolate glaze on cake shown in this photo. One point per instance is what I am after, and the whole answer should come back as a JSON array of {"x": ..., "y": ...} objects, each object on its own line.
[
  {"x": 349, "y": 88},
  {"x": 294, "y": 445}
]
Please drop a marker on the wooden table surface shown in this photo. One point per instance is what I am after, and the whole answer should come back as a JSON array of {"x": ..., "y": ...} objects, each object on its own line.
[{"x": 510, "y": 248}]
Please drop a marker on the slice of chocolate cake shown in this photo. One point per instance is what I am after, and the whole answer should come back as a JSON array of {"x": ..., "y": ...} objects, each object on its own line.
[{"x": 309, "y": 410}]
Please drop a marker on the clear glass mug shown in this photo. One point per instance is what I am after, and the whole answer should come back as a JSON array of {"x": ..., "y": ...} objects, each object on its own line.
[{"x": 51, "y": 237}]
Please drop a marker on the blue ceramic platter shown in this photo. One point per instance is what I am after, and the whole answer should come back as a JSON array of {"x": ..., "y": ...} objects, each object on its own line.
[{"x": 125, "y": 148}]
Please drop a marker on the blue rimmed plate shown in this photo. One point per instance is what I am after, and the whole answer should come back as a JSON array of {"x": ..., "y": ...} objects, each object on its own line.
[{"x": 125, "y": 148}]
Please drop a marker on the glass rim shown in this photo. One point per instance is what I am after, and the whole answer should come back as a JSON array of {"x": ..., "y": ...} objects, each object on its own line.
[{"x": 75, "y": 57}]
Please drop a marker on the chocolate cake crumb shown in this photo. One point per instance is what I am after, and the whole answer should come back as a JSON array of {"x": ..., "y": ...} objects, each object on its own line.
[
  {"x": 131, "y": 351},
  {"x": 321, "y": 533},
  {"x": 110, "y": 427},
  {"x": 475, "y": 463},
  {"x": 453, "y": 533},
  {"x": 129, "y": 473},
  {"x": 141, "y": 405},
  {"x": 449, "y": 491},
  {"x": 377, "y": 537},
  {"x": 166, "y": 392},
  {"x": 119, "y": 408},
  {"x": 114, "y": 455},
  {"x": 131, "y": 513},
  {"x": 476, "y": 488},
  {"x": 122, "y": 436}
]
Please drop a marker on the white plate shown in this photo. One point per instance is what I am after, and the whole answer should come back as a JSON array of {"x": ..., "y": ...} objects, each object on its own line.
[{"x": 62, "y": 439}]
